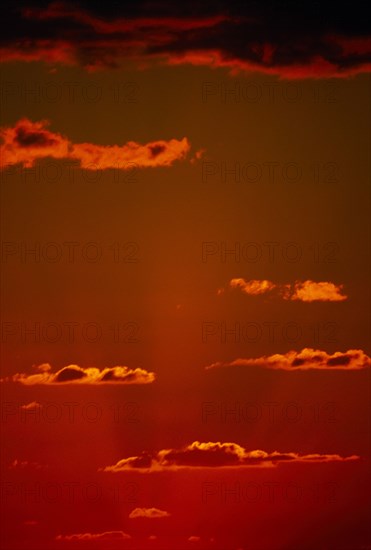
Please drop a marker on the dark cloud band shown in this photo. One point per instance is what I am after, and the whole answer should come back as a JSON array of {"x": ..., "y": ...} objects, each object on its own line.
[{"x": 290, "y": 39}]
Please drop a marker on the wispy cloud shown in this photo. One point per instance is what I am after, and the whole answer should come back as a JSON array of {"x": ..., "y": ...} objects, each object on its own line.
[
  {"x": 306, "y": 359},
  {"x": 150, "y": 513},
  {"x": 105, "y": 536}
]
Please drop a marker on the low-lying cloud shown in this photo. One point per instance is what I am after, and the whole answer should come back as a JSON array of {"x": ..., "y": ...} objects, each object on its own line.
[
  {"x": 73, "y": 374},
  {"x": 214, "y": 455},
  {"x": 306, "y": 359}
]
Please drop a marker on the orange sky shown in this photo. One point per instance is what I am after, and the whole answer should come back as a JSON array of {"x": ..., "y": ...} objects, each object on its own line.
[{"x": 185, "y": 356}]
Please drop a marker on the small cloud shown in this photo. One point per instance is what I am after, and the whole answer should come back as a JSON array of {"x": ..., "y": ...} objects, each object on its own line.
[
  {"x": 198, "y": 155},
  {"x": 44, "y": 367},
  {"x": 73, "y": 374},
  {"x": 304, "y": 291},
  {"x": 253, "y": 287},
  {"x": 306, "y": 359},
  {"x": 33, "y": 406},
  {"x": 194, "y": 538},
  {"x": 148, "y": 513},
  {"x": 25, "y": 465},
  {"x": 106, "y": 535}
]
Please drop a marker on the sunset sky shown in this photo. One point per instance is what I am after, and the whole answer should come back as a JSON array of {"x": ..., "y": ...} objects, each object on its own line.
[{"x": 185, "y": 261}]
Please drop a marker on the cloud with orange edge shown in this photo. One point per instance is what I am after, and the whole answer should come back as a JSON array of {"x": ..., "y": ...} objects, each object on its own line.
[
  {"x": 258, "y": 36},
  {"x": 306, "y": 359},
  {"x": 27, "y": 142},
  {"x": 304, "y": 291},
  {"x": 150, "y": 513},
  {"x": 73, "y": 374},
  {"x": 214, "y": 455}
]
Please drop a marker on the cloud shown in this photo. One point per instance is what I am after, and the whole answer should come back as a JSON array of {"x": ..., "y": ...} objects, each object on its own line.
[
  {"x": 28, "y": 141},
  {"x": 305, "y": 291},
  {"x": 33, "y": 406},
  {"x": 73, "y": 374},
  {"x": 296, "y": 41},
  {"x": 24, "y": 465},
  {"x": 310, "y": 291},
  {"x": 150, "y": 513},
  {"x": 194, "y": 538},
  {"x": 106, "y": 535},
  {"x": 213, "y": 455},
  {"x": 252, "y": 287},
  {"x": 306, "y": 359}
]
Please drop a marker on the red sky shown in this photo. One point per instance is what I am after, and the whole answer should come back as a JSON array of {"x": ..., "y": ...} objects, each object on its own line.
[{"x": 185, "y": 358}]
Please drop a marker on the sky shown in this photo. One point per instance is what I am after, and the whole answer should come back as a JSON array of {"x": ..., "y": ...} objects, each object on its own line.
[{"x": 185, "y": 265}]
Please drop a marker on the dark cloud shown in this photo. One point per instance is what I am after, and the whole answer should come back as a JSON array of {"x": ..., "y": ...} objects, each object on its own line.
[
  {"x": 25, "y": 138},
  {"x": 68, "y": 374},
  {"x": 299, "y": 361},
  {"x": 198, "y": 457},
  {"x": 339, "y": 360},
  {"x": 156, "y": 150},
  {"x": 291, "y": 39}
]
